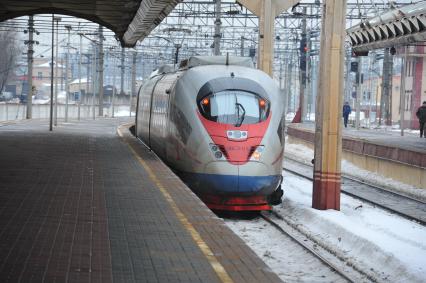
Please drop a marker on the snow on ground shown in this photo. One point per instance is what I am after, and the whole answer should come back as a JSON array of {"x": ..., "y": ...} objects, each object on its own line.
[
  {"x": 388, "y": 247},
  {"x": 123, "y": 111},
  {"x": 391, "y": 247},
  {"x": 304, "y": 153},
  {"x": 281, "y": 254}
]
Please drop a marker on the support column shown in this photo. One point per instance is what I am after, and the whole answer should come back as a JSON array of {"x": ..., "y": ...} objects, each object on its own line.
[
  {"x": 79, "y": 78},
  {"x": 267, "y": 11},
  {"x": 359, "y": 93},
  {"x": 57, "y": 20},
  {"x": 402, "y": 91},
  {"x": 51, "y": 76},
  {"x": 133, "y": 91},
  {"x": 101, "y": 71},
  {"x": 113, "y": 87},
  {"x": 217, "y": 24},
  {"x": 30, "y": 66},
  {"x": 328, "y": 135},
  {"x": 386, "y": 97},
  {"x": 122, "y": 72},
  {"x": 67, "y": 59},
  {"x": 242, "y": 47}
]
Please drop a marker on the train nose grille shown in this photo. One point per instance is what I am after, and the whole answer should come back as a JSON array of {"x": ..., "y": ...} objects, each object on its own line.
[
  {"x": 223, "y": 150},
  {"x": 247, "y": 157},
  {"x": 252, "y": 149}
]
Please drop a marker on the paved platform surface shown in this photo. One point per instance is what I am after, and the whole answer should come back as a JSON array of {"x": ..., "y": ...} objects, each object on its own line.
[
  {"x": 409, "y": 141},
  {"x": 82, "y": 204},
  {"x": 387, "y": 145}
]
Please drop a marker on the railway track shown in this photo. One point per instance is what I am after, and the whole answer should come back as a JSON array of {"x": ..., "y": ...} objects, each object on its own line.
[
  {"x": 346, "y": 271},
  {"x": 402, "y": 205}
]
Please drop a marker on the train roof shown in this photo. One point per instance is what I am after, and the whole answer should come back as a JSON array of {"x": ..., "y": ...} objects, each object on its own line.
[
  {"x": 162, "y": 70},
  {"x": 195, "y": 61}
]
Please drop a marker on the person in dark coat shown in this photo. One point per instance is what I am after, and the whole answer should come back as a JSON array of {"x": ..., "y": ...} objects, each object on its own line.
[
  {"x": 421, "y": 114},
  {"x": 346, "y": 111}
]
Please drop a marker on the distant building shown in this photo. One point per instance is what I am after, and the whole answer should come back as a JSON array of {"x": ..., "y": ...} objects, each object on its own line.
[{"x": 415, "y": 88}]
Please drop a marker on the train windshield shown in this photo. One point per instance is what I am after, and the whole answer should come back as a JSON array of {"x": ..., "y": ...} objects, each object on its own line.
[{"x": 235, "y": 107}]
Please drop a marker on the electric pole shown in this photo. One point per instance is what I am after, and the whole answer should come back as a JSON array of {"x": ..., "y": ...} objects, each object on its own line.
[
  {"x": 242, "y": 47},
  {"x": 386, "y": 97},
  {"x": 302, "y": 66},
  {"x": 30, "y": 43},
  {"x": 359, "y": 82},
  {"x": 402, "y": 91},
  {"x": 122, "y": 72},
  {"x": 94, "y": 79},
  {"x": 79, "y": 77},
  {"x": 101, "y": 71},
  {"x": 113, "y": 87},
  {"x": 133, "y": 91},
  {"x": 67, "y": 87},
  {"x": 57, "y": 20},
  {"x": 51, "y": 75},
  {"x": 217, "y": 25},
  {"x": 348, "y": 86}
]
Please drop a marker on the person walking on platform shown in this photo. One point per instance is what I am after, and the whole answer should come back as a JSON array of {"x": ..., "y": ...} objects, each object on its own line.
[
  {"x": 421, "y": 114},
  {"x": 346, "y": 111}
]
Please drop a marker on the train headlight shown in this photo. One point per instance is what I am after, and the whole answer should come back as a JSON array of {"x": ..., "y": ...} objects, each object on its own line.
[
  {"x": 218, "y": 154},
  {"x": 257, "y": 153}
]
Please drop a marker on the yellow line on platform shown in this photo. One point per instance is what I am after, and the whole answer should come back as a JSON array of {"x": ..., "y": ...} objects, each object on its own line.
[{"x": 205, "y": 249}]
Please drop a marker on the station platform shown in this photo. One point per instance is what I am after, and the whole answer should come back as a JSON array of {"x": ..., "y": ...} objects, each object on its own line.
[
  {"x": 88, "y": 203},
  {"x": 402, "y": 158}
]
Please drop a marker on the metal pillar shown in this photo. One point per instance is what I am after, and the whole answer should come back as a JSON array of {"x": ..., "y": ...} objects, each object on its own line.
[
  {"x": 51, "y": 74},
  {"x": 217, "y": 24},
  {"x": 267, "y": 11},
  {"x": 133, "y": 91},
  {"x": 287, "y": 84},
  {"x": 88, "y": 81},
  {"x": 328, "y": 136},
  {"x": 242, "y": 47},
  {"x": 122, "y": 72},
  {"x": 30, "y": 66},
  {"x": 386, "y": 97},
  {"x": 101, "y": 71},
  {"x": 113, "y": 87},
  {"x": 358, "y": 93},
  {"x": 57, "y": 19},
  {"x": 67, "y": 88},
  {"x": 94, "y": 80},
  {"x": 79, "y": 78},
  {"x": 348, "y": 85},
  {"x": 402, "y": 91},
  {"x": 303, "y": 71}
]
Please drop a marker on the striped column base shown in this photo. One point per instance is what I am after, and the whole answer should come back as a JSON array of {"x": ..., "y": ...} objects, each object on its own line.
[{"x": 326, "y": 193}]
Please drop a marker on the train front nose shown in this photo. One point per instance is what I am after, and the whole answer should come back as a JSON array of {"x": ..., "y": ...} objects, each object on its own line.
[
  {"x": 250, "y": 178},
  {"x": 237, "y": 187}
]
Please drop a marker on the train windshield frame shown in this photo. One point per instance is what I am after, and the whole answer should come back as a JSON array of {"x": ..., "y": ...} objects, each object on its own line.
[{"x": 234, "y": 106}]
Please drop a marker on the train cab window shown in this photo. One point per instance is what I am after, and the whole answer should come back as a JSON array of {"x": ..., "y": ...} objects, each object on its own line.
[{"x": 235, "y": 107}]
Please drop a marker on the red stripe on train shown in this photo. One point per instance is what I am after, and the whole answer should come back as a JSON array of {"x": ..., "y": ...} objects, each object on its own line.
[{"x": 236, "y": 152}]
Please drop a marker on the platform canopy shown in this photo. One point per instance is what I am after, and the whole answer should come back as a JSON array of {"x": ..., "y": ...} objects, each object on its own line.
[
  {"x": 403, "y": 26},
  {"x": 130, "y": 20}
]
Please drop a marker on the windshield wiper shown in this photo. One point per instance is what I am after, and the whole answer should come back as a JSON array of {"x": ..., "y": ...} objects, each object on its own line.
[{"x": 240, "y": 118}]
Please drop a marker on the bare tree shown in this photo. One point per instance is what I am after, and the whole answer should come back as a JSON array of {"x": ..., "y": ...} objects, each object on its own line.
[{"x": 9, "y": 52}]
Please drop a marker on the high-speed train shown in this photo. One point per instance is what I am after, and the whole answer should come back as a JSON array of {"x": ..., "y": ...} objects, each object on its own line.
[{"x": 218, "y": 123}]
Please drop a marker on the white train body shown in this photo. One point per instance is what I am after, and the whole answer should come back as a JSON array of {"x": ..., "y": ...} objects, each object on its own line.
[{"x": 220, "y": 128}]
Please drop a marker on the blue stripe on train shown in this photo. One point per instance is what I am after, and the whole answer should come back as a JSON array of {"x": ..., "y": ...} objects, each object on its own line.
[{"x": 208, "y": 183}]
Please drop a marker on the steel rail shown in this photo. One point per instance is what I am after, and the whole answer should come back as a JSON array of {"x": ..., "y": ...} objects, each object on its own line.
[
  {"x": 306, "y": 247},
  {"x": 374, "y": 187}
]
